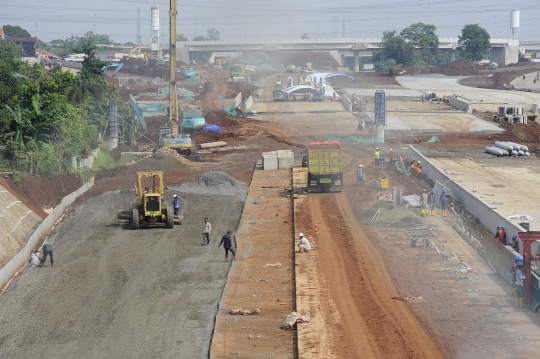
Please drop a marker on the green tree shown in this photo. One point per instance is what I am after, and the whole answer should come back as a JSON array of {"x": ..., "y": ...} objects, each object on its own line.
[
  {"x": 474, "y": 42},
  {"x": 10, "y": 54},
  {"x": 422, "y": 36},
  {"x": 200, "y": 38},
  {"x": 181, "y": 37},
  {"x": 15, "y": 31},
  {"x": 304, "y": 36},
  {"x": 212, "y": 34},
  {"x": 395, "y": 47}
]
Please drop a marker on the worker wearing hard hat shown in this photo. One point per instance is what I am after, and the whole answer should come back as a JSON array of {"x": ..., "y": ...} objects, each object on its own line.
[
  {"x": 443, "y": 200},
  {"x": 376, "y": 153},
  {"x": 431, "y": 202},
  {"x": 360, "y": 175},
  {"x": 515, "y": 243},
  {"x": 518, "y": 260},
  {"x": 392, "y": 161},
  {"x": 176, "y": 204},
  {"x": 423, "y": 202},
  {"x": 520, "y": 289},
  {"x": 304, "y": 244},
  {"x": 419, "y": 165},
  {"x": 500, "y": 236}
]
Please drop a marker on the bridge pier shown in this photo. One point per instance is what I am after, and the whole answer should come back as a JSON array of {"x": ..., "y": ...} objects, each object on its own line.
[{"x": 356, "y": 60}]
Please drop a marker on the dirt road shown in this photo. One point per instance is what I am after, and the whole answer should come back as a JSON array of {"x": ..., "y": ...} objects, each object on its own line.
[{"x": 119, "y": 293}]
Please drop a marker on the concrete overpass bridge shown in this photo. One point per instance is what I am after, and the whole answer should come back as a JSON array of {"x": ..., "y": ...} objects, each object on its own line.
[{"x": 503, "y": 51}]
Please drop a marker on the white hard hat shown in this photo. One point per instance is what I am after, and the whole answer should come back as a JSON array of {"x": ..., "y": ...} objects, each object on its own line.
[
  {"x": 175, "y": 196},
  {"x": 301, "y": 235}
]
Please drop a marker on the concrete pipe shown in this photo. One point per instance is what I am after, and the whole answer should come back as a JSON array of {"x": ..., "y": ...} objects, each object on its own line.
[
  {"x": 518, "y": 147},
  {"x": 514, "y": 153},
  {"x": 527, "y": 153},
  {"x": 212, "y": 144},
  {"x": 495, "y": 151},
  {"x": 520, "y": 153},
  {"x": 504, "y": 146}
]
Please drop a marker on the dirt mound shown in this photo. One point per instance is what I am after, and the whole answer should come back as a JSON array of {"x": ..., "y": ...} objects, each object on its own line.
[
  {"x": 221, "y": 119},
  {"x": 159, "y": 162},
  {"x": 519, "y": 133},
  {"x": 459, "y": 67}
]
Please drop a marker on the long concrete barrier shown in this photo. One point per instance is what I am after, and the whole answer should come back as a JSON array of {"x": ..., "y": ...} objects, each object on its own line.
[
  {"x": 500, "y": 257},
  {"x": 20, "y": 259},
  {"x": 346, "y": 101}
]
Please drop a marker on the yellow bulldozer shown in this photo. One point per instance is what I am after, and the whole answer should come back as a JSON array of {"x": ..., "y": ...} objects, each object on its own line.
[{"x": 149, "y": 206}]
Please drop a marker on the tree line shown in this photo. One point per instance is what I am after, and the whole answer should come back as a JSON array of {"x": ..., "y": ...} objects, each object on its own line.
[
  {"x": 49, "y": 116},
  {"x": 418, "y": 44}
]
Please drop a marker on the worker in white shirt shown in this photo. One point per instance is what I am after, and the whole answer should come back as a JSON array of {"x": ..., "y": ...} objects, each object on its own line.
[{"x": 304, "y": 244}]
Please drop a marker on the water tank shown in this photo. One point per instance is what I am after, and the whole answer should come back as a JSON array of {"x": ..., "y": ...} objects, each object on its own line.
[
  {"x": 514, "y": 22},
  {"x": 154, "y": 44}
]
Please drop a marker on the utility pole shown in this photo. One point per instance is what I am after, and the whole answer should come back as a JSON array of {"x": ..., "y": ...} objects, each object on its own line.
[
  {"x": 343, "y": 32},
  {"x": 138, "y": 27},
  {"x": 173, "y": 102}
]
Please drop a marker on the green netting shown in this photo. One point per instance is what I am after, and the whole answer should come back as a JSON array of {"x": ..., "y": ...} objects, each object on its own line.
[
  {"x": 189, "y": 98},
  {"x": 330, "y": 137},
  {"x": 364, "y": 140},
  {"x": 221, "y": 98},
  {"x": 433, "y": 139}
]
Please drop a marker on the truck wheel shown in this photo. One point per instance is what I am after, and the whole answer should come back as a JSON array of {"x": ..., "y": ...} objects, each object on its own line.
[
  {"x": 169, "y": 212},
  {"x": 134, "y": 218}
]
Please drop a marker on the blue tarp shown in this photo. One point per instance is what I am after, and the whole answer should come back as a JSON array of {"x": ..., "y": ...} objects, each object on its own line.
[{"x": 211, "y": 127}]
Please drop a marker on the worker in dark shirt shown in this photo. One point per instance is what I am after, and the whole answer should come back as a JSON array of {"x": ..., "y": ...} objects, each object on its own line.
[
  {"x": 47, "y": 251},
  {"x": 228, "y": 245}
]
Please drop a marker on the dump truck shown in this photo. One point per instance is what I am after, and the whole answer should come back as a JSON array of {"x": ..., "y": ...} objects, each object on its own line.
[
  {"x": 149, "y": 206},
  {"x": 325, "y": 172},
  {"x": 238, "y": 73}
]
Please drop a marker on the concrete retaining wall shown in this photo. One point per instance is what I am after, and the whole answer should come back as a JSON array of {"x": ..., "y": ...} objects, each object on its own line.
[
  {"x": 459, "y": 103},
  {"x": 21, "y": 258},
  {"x": 497, "y": 254},
  {"x": 346, "y": 101},
  {"x": 80, "y": 163}
]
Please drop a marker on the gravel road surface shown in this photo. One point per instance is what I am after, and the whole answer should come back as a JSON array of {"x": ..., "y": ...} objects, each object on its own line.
[{"x": 119, "y": 293}]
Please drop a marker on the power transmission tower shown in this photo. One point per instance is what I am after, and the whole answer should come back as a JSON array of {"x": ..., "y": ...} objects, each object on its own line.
[{"x": 138, "y": 27}]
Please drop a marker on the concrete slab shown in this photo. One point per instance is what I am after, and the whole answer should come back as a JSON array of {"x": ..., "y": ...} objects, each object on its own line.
[
  {"x": 262, "y": 277},
  {"x": 441, "y": 85},
  {"x": 438, "y": 122},
  {"x": 527, "y": 82},
  {"x": 509, "y": 190}
]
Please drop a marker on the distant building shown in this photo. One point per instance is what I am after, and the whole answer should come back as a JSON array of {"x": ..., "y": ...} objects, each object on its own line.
[{"x": 28, "y": 44}]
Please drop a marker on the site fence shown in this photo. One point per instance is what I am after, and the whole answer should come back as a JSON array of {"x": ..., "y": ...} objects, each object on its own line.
[{"x": 21, "y": 259}]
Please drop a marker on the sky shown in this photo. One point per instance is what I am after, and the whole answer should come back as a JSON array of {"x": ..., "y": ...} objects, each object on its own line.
[{"x": 261, "y": 20}]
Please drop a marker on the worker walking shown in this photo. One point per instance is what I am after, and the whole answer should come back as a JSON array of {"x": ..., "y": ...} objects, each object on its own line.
[
  {"x": 520, "y": 289},
  {"x": 176, "y": 204},
  {"x": 207, "y": 228},
  {"x": 517, "y": 262},
  {"x": 443, "y": 199},
  {"x": 47, "y": 251},
  {"x": 227, "y": 240},
  {"x": 431, "y": 202},
  {"x": 361, "y": 177},
  {"x": 304, "y": 244},
  {"x": 423, "y": 202}
]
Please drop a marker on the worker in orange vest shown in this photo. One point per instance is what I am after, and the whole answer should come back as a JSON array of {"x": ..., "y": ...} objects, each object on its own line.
[
  {"x": 419, "y": 165},
  {"x": 501, "y": 235}
]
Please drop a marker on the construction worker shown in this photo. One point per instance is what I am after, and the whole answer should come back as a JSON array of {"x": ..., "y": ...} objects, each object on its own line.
[
  {"x": 227, "y": 240},
  {"x": 47, "y": 251},
  {"x": 361, "y": 177},
  {"x": 392, "y": 161},
  {"x": 413, "y": 162},
  {"x": 207, "y": 228},
  {"x": 515, "y": 243},
  {"x": 443, "y": 200},
  {"x": 304, "y": 244},
  {"x": 419, "y": 165},
  {"x": 431, "y": 202},
  {"x": 176, "y": 204},
  {"x": 520, "y": 289},
  {"x": 518, "y": 260},
  {"x": 500, "y": 236},
  {"x": 423, "y": 202},
  {"x": 376, "y": 154},
  {"x": 34, "y": 259}
]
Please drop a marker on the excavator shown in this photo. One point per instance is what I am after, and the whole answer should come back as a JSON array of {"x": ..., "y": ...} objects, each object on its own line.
[
  {"x": 171, "y": 136},
  {"x": 137, "y": 48}
]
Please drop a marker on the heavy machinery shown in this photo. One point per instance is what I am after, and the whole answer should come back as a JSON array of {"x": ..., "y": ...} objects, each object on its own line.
[
  {"x": 325, "y": 173},
  {"x": 238, "y": 73},
  {"x": 117, "y": 65},
  {"x": 290, "y": 68},
  {"x": 171, "y": 137},
  {"x": 149, "y": 206},
  {"x": 137, "y": 48}
]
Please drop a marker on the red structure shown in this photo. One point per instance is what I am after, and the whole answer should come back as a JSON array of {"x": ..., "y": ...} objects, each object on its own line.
[{"x": 528, "y": 238}]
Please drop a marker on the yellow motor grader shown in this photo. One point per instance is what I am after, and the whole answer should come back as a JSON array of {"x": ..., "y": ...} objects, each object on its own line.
[{"x": 149, "y": 206}]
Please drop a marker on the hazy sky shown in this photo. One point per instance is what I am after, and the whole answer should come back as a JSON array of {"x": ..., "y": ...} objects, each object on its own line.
[{"x": 277, "y": 19}]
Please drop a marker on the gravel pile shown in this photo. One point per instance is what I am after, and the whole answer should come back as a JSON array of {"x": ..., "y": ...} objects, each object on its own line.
[
  {"x": 164, "y": 92},
  {"x": 216, "y": 182},
  {"x": 191, "y": 109}
]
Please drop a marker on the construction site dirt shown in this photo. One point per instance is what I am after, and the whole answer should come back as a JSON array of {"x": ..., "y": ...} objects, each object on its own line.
[{"x": 154, "y": 292}]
